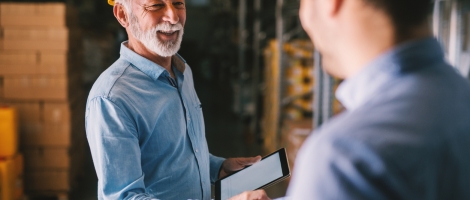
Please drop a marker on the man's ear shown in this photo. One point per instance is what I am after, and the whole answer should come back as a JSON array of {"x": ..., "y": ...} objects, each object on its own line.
[
  {"x": 121, "y": 15},
  {"x": 335, "y": 6}
]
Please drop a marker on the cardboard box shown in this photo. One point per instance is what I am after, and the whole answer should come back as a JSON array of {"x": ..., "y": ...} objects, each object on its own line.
[
  {"x": 18, "y": 58},
  {"x": 57, "y": 112},
  {"x": 36, "y": 63},
  {"x": 30, "y": 120},
  {"x": 1, "y": 90},
  {"x": 23, "y": 69},
  {"x": 55, "y": 62},
  {"x": 46, "y": 139},
  {"x": 39, "y": 45},
  {"x": 29, "y": 20},
  {"x": 41, "y": 87},
  {"x": 40, "y": 134},
  {"x": 10, "y": 60},
  {"x": 27, "y": 111},
  {"x": 51, "y": 123},
  {"x": 18, "y": 87},
  {"x": 32, "y": 14},
  {"x": 32, "y": 9},
  {"x": 30, "y": 38},
  {"x": 51, "y": 87},
  {"x": 19, "y": 171},
  {"x": 34, "y": 33},
  {"x": 11, "y": 170},
  {"x": 64, "y": 128},
  {"x": 66, "y": 118},
  {"x": 46, "y": 123},
  {"x": 47, "y": 180},
  {"x": 47, "y": 158}
]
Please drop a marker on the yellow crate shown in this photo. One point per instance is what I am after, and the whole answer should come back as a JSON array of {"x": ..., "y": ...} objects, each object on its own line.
[
  {"x": 11, "y": 170},
  {"x": 8, "y": 132},
  {"x": 1, "y": 187}
]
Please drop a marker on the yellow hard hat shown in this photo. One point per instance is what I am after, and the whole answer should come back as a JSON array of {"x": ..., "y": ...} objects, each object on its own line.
[{"x": 111, "y": 2}]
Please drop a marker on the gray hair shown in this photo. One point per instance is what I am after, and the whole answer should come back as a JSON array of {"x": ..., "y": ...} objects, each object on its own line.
[{"x": 127, "y": 4}]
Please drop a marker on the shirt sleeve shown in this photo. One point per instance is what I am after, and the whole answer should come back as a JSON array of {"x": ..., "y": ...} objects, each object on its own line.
[
  {"x": 215, "y": 164},
  {"x": 115, "y": 150},
  {"x": 341, "y": 169}
]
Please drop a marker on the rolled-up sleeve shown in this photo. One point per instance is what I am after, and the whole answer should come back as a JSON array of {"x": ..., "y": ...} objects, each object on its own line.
[
  {"x": 114, "y": 146},
  {"x": 215, "y": 164}
]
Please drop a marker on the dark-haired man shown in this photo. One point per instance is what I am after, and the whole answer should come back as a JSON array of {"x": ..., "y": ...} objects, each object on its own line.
[{"x": 406, "y": 131}]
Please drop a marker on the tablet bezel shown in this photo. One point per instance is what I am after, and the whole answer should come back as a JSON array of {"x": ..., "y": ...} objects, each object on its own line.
[{"x": 284, "y": 166}]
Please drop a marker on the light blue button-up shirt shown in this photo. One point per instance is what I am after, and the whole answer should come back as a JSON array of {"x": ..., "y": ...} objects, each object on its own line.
[
  {"x": 146, "y": 132},
  {"x": 405, "y": 134}
]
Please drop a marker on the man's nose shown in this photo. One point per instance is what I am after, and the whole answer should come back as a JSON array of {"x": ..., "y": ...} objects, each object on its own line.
[{"x": 170, "y": 15}]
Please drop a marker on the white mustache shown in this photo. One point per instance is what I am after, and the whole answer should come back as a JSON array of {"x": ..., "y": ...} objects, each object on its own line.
[{"x": 167, "y": 27}]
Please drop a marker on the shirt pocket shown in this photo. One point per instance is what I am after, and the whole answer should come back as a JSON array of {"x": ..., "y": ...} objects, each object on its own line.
[{"x": 197, "y": 116}]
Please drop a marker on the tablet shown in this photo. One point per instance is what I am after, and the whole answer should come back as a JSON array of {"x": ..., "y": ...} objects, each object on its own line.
[{"x": 270, "y": 170}]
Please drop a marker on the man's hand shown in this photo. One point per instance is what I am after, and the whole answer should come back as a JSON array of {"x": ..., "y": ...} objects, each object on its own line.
[
  {"x": 252, "y": 195},
  {"x": 234, "y": 164}
]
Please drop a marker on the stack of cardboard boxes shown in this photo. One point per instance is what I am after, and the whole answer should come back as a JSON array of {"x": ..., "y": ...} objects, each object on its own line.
[{"x": 40, "y": 76}]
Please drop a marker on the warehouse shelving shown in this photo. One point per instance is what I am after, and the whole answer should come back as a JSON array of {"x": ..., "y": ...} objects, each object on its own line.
[
  {"x": 451, "y": 24},
  {"x": 288, "y": 28}
]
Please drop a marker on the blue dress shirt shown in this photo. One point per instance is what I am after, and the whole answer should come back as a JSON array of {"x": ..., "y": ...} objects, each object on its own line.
[
  {"x": 405, "y": 134},
  {"x": 146, "y": 132}
]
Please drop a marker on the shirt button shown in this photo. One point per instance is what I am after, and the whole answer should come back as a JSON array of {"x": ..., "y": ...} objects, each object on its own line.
[
  {"x": 189, "y": 119},
  {"x": 197, "y": 151}
]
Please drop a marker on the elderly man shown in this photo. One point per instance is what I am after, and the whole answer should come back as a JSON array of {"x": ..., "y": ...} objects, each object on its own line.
[
  {"x": 144, "y": 121},
  {"x": 406, "y": 131}
]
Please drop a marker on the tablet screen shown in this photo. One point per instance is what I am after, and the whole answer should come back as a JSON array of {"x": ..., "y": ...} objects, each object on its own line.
[{"x": 254, "y": 177}]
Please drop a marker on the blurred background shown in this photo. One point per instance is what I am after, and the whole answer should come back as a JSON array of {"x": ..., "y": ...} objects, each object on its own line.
[{"x": 256, "y": 72}]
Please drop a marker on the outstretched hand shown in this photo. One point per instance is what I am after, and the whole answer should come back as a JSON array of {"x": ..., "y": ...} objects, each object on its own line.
[{"x": 234, "y": 164}]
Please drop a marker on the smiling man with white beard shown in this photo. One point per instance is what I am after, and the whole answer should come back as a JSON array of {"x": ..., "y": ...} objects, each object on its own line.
[
  {"x": 148, "y": 39},
  {"x": 144, "y": 121}
]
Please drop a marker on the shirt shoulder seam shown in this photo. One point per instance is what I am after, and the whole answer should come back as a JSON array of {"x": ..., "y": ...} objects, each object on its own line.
[
  {"x": 118, "y": 107},
  {"x": 114, "y": 83}
]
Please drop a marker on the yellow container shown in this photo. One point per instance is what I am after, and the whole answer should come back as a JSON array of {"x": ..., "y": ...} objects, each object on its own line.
[
  {"x": 1, "y": 187},
  {"x": 11, "y": 170},
  {"x": 8, "y": 132}
]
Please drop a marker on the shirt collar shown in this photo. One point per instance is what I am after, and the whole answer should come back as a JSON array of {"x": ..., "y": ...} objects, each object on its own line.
[
  {"x": 148, "y": 67},
  {"x": 360, "y": 88}
]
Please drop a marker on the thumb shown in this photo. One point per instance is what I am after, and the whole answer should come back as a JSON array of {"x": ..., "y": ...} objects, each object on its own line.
[{"x": 250, "y": 161}]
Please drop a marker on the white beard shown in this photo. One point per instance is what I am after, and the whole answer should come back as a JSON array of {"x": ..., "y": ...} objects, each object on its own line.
[{"x": 150, "y": 40}]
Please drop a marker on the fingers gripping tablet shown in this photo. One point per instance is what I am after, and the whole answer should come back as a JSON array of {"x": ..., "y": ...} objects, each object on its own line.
[{"x": 270, "y": 170}]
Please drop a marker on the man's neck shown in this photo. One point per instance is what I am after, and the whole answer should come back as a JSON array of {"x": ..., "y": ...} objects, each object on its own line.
[
  {"x": 140, "y": 49},
  {"x": 368, "y": 48}
]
